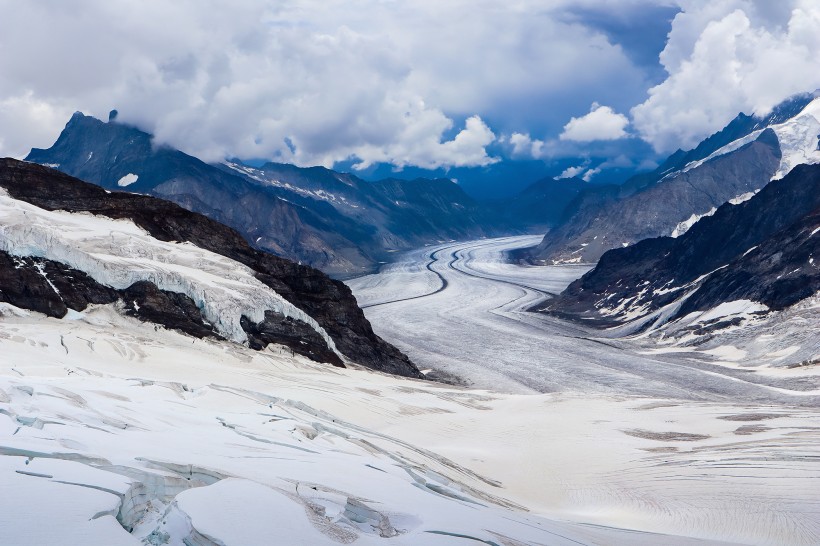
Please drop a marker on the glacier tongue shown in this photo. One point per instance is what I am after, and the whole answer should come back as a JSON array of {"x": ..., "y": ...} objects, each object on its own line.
[{"x": 117, "y": 253}]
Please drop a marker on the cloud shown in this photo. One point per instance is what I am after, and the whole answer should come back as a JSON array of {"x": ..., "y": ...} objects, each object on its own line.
[
  {"x": 571, "y": 172},
  {"x": 725, "y": 57},
  {"x": 466, "y": 149},
  {"x": 30, "y": 119},
  {"x": 602, "y": 123},
  {"x": 589, "y": 174},
  {"x": 423, "y": 83},
  {"x": 308, "y": 81},
  {"x": 582, "y": 171},
  {"x": 525, "y": 146}
]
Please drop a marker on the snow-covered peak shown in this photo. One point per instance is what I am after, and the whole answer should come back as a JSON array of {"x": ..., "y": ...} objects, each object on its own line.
[
  {"x": 798, "y": 139},
  {"x": 117, "y": 253}
]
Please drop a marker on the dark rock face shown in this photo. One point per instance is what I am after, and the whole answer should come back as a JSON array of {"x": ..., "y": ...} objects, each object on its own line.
[
  {"x": 779, "y": 272},
  {"x": 49, "y": 287},
  {"x": 542, "y": 205},
  {"x": 651, "y": 204},
  {"x": 328, "y": 301},
  {"x": 336, "y": 222},
  {"x": 52, "y": 288},
  {"x": 763, "y": 250},
  {"x": 171, "y": 309},
  {"x": 293, "y": 333},
  {"x": 606, "y": 219}
]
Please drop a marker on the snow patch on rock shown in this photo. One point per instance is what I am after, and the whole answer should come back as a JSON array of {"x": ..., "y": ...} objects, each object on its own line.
[
  {"x": 127, "y": 180},
  {"x": 684, "y": 226},
  {"x": 798, "y": 138},
  {"x": 730, "y": 308}
]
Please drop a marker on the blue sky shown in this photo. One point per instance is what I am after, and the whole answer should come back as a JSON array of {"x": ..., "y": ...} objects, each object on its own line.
[{"x": 596, "y": 88}]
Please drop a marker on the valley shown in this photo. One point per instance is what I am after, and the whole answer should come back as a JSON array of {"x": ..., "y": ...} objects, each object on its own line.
[
  {"x": 460, "y": 309},
  {"x": 410, "y": 273}
]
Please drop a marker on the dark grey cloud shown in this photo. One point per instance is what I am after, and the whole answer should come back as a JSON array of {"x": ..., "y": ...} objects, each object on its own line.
[{"x": 640, "y": 29}]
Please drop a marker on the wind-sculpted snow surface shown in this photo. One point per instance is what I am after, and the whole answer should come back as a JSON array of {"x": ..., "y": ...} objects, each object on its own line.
[{"x": 112, "y": 433}]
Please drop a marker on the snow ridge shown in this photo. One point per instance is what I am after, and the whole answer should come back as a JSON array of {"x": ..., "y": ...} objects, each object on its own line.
[
  {"x": 798, "y": 138},
  {"x": 118, "y": 253}
]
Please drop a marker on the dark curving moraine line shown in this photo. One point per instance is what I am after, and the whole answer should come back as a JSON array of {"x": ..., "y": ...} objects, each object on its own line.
[
  {"x": 494, "y": 279},
  {"x": 429, "y": 266}
]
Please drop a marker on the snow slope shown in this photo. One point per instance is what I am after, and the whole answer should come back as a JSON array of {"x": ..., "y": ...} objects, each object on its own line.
[
  {"x": 117, "y": 253},
  {"x": 798, "y": 139},
  {"x": 108, "y": 426}
]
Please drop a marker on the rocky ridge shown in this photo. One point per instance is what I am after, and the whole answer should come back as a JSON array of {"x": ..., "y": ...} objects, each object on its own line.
[
  {"x": 763, "y": 251},
  {"x": 732, "y": 164},
  {"x": 334, "y": 221},
  {"x": 53, "y": 288}
]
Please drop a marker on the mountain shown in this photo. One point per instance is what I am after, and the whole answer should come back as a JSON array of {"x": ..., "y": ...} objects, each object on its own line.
[
  {"x": 403, "y": 214},
  {"x": 756, "y": 256},
  {"x": 336, "y": 222},
  {"x": 732, "y": 164},
  {"x": 66, "y": 244},
  {"x": 504, "y": 179},
  {"x": 543, "y": 203}
]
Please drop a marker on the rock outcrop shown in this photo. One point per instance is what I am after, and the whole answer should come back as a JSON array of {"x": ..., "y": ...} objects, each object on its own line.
[
  {"x": 729, "y": 165},
  {"x": 764, "y": 250},
  {"x": 329, "y": 302}
]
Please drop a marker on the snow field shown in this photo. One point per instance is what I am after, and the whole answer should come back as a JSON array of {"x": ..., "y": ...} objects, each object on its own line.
[{"x": 103, "y": 420}]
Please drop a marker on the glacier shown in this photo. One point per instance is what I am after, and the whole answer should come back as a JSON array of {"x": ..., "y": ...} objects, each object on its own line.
[
  {"x": 117, "y": 253},
  {"x": 115, "y": 432}
]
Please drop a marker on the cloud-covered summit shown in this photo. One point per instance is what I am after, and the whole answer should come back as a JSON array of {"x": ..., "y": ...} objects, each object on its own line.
[
  {"x": 728, "y": 56},
  {"x": 427, "y": 83}
]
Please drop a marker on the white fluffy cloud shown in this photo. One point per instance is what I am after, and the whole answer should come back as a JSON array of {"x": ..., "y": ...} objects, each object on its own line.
[
  {"x": 525, "y": 146},
  {"x": 725, "y": 57},
  {"x": 425, "y": 83},
  {"x": 602, "y": 123},
  {"x": 305, "y": 81},
  {"x": 584, "y": 172},
  {"x": 570, "y": 172}
]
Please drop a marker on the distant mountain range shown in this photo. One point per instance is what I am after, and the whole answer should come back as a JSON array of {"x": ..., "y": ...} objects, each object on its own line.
[
  {"x": 731, "y": 165},
  {"x": 541, "y": 205},
  {"x": 330, "y": 220},
  {"x": 335, "y": 221}
]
